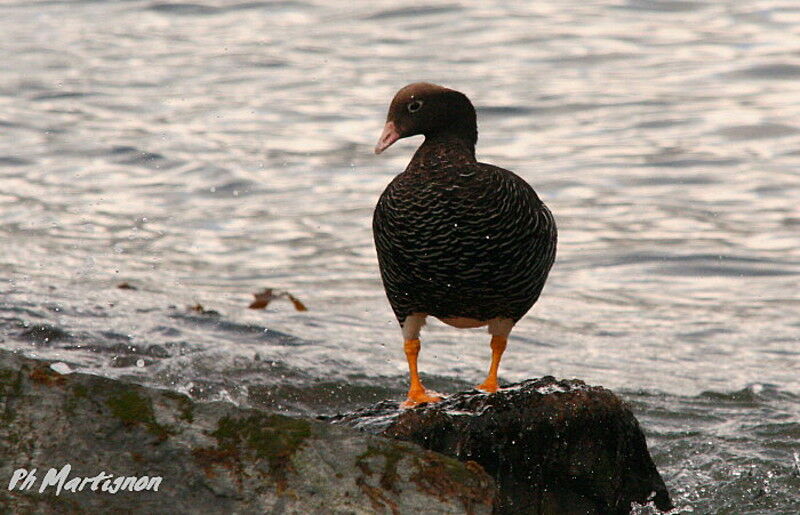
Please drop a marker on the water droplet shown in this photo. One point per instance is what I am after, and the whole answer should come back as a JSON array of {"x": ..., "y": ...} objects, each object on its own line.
[{"x": 140, "y": 363}]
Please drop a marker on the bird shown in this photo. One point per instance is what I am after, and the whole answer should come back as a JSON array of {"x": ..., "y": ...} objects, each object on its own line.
[{"x": 466, "y": 242}]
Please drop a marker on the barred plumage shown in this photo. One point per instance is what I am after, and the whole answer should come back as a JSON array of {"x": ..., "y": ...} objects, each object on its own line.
[{"x": 469, "y": 241}]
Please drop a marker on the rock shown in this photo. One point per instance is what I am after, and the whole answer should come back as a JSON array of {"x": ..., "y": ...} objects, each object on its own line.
[
  {"x": 553, "y": 447},
  {"x": 211, "y": 457}
]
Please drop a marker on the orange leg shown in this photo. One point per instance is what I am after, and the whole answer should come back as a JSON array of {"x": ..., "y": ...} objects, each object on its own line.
[
  {"x": 498, "y": 347},
  {"x": 417, "y": 394}
]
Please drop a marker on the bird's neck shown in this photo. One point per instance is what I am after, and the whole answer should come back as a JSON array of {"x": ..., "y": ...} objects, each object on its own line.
[{"x": 444, "y": 149}]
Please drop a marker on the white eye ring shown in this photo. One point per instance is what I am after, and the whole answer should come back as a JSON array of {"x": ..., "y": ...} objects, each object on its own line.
[{"x": 414, "y": 106}]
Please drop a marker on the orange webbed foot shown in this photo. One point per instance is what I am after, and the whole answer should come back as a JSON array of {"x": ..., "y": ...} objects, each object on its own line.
[
  {"x": 417, "y": 397},
  {"x": 488, "y": 386}
]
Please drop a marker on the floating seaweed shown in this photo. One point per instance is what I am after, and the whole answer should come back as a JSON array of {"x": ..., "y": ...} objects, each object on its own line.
[{"x": 267, "y": 295}]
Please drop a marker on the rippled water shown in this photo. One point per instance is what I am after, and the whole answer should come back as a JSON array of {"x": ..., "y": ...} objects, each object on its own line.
[{"x": 202, "y": 151}]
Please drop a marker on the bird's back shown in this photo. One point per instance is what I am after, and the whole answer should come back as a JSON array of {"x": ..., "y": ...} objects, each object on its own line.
[{"x": 463, "y": 240}]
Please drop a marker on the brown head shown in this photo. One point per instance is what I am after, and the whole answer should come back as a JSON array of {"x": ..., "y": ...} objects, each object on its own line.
[{"x": 424, "y": 108}]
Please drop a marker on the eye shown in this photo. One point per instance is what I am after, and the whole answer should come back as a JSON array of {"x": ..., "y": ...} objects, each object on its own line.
[{"x": 414, "y": 106}]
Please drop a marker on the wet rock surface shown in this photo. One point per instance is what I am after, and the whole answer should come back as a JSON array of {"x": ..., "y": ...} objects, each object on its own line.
[
  {"x": 212, "y": 457},
  {"x": 553, "y": 447}
]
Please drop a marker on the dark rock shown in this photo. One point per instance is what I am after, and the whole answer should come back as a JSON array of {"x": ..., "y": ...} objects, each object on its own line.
[
  {"x": 553, "y": 447},
  {"x": 211, "y": 457}
]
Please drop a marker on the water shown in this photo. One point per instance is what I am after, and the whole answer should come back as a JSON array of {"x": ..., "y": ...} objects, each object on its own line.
[{"x": 203, "y": 151}]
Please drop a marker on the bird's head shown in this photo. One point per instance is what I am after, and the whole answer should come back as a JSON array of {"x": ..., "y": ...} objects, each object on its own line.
[{"x": 424, "y": 108}]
